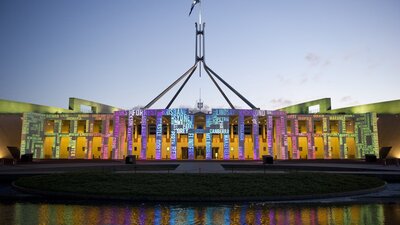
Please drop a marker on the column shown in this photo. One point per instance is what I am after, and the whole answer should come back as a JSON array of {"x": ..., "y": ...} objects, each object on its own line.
[
  {"x": 159, "y": 134},
  {"x": 129, "y": 131},
  {"x": 295, "y": 138},
  {"x": 104, "y": 146},
  {"x": 57, "y": 139},
  {"x": 144, "y": 137},
  {"x": 72, "y": 142},
  {"x": 342, "y": 138},
  {"x": 226, "y": 146},
  {"x": 327, "y": 142},
  {"x": 89, "y": 144},
  {"x": 191, "y": 144},
  {"x": 241, "y": 135},
  {"x": 121, "y": 139},
  {"x": 326, "y": 146},
  {"x": 115, "y": 144},
  {"x": 208, "y": 138},
  {"x": 270, "y": 137},
  {"x": 283, "y": 137},
  {"x": 89, "y": 139},
  {"x": 256, "y": 143},
  {"x": 310, "y": 138},
  {"x": 173, "y": 143}
]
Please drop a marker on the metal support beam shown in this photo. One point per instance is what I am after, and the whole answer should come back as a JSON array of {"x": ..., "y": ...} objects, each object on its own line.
[
  {"x": 230, "y": 87},
  {"x": 180, "y": 89},
  {"x": 170, "y": 86},
  {"x": 219, "y": 88}
]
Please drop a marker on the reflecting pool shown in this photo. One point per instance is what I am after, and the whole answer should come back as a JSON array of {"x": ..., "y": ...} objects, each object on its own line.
[{"x": 47, "y": 213}]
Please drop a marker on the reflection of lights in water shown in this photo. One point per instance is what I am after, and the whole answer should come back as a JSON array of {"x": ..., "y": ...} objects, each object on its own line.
[{"x": 27, "y": 213}]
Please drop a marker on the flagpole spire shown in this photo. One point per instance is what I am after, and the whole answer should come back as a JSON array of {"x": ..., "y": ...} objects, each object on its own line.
[
  {"x": 200, "y": 12},
  {"x": 201, "y": 64}
]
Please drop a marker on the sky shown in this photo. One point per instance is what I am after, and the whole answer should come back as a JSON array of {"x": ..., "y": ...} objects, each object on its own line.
[{"x": 274, "y": 52}]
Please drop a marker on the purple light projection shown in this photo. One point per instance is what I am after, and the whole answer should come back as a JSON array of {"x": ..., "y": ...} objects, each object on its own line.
[
  {"x": 159, "y": 134},
  {"x": 270, "y": 135},
  {"x": 115, "y": 135},
  {"x": 256, "y": 135},
  {"x": 283, "y": 137},
  {"x": 181, "y": 123},
  {"x": 241, "y": 134},
  {"x": 226, "y": 146},
  {"x": 144, "y": 135},
  {"x": 104, "y": 147},
  {"x": 130, "y": 131},
  {"x": 278, "y": 139}
]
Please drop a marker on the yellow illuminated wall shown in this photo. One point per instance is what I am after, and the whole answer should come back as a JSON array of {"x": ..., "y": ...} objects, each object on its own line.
[{"x": 86, "y": 135}]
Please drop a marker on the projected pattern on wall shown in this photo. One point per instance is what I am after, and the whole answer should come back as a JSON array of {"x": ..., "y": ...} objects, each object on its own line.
[{"x": 172, "y": 134}]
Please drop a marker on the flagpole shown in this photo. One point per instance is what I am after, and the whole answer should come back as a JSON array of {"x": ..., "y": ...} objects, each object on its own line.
[
  {"x": 200, "y": 40},
  {"x": 200, "y": 14}
]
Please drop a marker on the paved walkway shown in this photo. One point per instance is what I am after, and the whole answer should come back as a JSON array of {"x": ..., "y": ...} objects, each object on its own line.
[{"x": 199, "y": 167}]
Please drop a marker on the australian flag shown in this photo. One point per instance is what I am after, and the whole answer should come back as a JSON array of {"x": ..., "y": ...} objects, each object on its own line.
[{"x": 193, "y": 4}]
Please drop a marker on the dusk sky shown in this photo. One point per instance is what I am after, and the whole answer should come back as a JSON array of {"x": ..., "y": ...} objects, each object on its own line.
[{"x": 125, "y": 52}]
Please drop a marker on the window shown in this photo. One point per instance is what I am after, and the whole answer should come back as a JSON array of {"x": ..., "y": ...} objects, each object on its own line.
[
  {"x": 65, "y": 125},
  {"x": 81, "y": 126},
  {"x": 98, "y": 126},
  {"x": 85, "y": 109},
  {"x": 152, "y": 129},
  {"x": 247, "y": 129},
  {"x": 164, "y": 129},
  {"x": 313, "y": 109},
  {"x": 235, "y": 129},
  {"x": 49, "y": 126}
]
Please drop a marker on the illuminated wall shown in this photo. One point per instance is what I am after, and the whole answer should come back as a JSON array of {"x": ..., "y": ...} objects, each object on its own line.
[
  {"x": 284, "y": 136},
  {"x": 74, "y": 140},
  {"x": 337, "y": 141}
]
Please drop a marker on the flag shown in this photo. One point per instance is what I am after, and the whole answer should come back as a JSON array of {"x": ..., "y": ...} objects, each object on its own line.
[{"x": 193, "y": 4}]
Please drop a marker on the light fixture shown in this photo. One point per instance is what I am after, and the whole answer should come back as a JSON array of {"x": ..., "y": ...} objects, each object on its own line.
[{"x": 168, "y": 149}]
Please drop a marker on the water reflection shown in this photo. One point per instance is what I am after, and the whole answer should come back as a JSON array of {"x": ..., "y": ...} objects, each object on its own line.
[{"x": 31, "y": 213}]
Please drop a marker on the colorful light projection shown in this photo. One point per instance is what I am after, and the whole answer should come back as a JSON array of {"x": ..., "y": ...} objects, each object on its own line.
[
  {"x": 159, "y": 134},
  {"x": 270, "y": 123},
  {"x": 181, "y": 123},
  {"x": 116, "y": 145},
  {"x": 241, "y": 134},
  {"x": 256, "y": 139},
  {"x": 218, "y": 123},
  {"x": 364, "y": 133}
]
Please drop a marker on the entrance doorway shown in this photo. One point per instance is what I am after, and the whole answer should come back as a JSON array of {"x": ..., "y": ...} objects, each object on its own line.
[
  {"x": 200, "y": 152},
  {"x": 215, "y": 153},
  {"x": 185, "y": 154}
]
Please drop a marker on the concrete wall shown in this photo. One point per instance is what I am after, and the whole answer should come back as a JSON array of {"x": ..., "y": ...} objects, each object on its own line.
[
  {"x": 389, "y": 133},
  {"x": 10, "y": 133}
]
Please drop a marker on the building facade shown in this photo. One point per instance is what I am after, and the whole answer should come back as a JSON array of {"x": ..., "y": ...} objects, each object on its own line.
[{"x": 183, "y": 134}]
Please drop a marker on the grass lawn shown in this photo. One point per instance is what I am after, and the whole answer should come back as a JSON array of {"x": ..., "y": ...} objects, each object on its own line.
[{"x": 199, "y": 185}]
